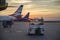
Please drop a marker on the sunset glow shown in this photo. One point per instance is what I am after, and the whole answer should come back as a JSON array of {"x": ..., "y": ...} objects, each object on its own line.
[{"x": 48, "y": 9}]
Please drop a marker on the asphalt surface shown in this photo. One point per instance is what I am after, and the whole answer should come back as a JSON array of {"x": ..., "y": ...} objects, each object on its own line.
[{"x": 19, "y": 31}]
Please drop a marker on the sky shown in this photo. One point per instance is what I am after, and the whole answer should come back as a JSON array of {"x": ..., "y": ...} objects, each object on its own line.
[{"x": 48, "y": 9}]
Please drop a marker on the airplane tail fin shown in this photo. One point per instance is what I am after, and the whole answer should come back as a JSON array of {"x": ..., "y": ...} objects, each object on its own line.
[
  {"x": 18, "y": 12},
  {"x": 26, "y": 16}
]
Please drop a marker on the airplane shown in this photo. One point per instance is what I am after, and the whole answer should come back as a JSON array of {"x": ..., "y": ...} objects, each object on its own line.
[
  {"x": 25, "y": 18},
  {"x": 14, "y": 16}
]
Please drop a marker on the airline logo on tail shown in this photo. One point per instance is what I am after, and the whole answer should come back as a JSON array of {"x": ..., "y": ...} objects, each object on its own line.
[
  {"x": 18, "y": 12},
  {"x": 26, "y": 17}
]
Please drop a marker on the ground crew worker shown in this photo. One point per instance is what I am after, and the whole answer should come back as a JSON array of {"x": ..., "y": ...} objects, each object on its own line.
[
  {"x": 4, "y": 24},
  {"x": 9, "y": 24}
]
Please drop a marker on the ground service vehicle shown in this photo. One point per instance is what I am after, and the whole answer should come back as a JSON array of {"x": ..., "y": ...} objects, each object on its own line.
[{"x": 36, "y": 27}]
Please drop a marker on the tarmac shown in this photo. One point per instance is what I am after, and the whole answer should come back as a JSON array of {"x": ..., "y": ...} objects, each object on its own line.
[{"x": 19, "y": 31}]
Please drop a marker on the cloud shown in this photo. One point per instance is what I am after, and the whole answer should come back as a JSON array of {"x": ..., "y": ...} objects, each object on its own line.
[
  {"x": 37, "y": 4},
  {"x": 57, "y": 3},
  {"x": 20, "y": 1}
]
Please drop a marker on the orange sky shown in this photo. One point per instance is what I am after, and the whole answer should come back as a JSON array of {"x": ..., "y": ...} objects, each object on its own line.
[
  {"x": 48, "y": 9},
  {"x": 45, "y": 13}
]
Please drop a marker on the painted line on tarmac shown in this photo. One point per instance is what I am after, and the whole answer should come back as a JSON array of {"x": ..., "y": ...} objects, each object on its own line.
[
  {"x": 13, "y": 31},
  {"x": 6, "y": 31},
  {"x": 19, "y": 31}
]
